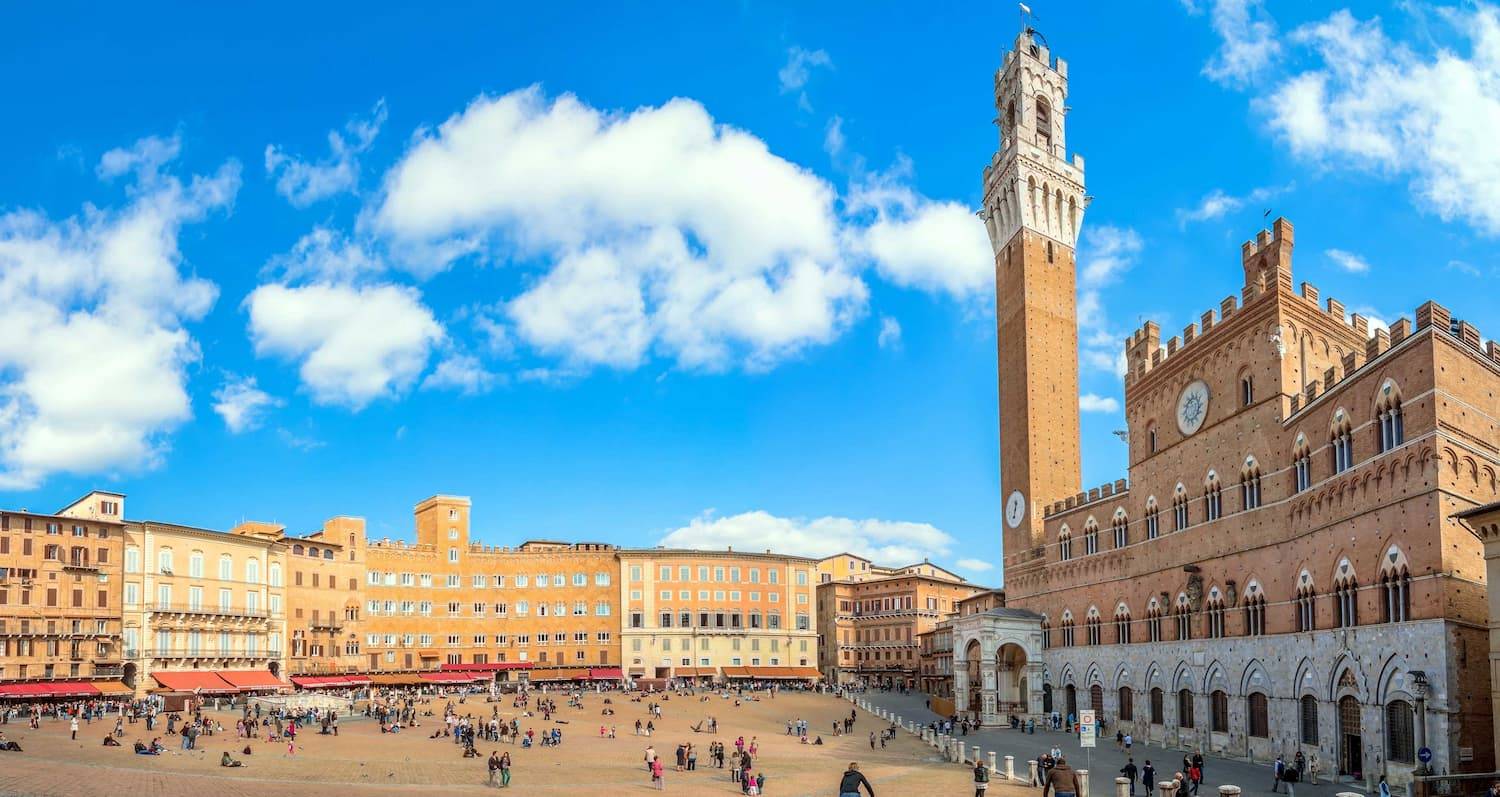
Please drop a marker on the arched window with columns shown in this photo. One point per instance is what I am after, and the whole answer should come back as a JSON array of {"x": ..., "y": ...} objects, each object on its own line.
[
  {"x": 1395, "y": 587},
  {"x": 1255, "y": 609},
  {"x": 1213, "y": 500},
  {"x": 1341, "y": 441},
  {"x": 1120, "y": 524},
  {"x": 1388, "y": 413},
  {"x": 1345, "y": 596},
  {"x": 1122, "y": 624},
  {"x": 1250, "y": 484}
]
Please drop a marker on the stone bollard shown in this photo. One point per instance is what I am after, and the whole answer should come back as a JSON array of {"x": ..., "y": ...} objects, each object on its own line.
[
  {"x": 1348, "y": 794},
  {"x": 1083, "y": 783},
  {"x": 1229, "y": 791},
  {"x": 960, "y": 757},
  {"x": 1122, "y": 787},
  {"x": 1167, "y": 788},
  {"x": 975, "y": 755},
  {"x": 1032, "y": 765}
]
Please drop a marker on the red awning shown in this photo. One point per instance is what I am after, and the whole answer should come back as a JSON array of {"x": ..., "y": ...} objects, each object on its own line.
[
  {"x": 355, "y": 680},
  {"x": 450, "y": 677},
  {"x": 312, "y": 681},
  {"x": 605, "y": 673},
  {"x": 40, "y": 689},
  {"x": 203, "y": 681},
  {"x": 251, "y": 679}
]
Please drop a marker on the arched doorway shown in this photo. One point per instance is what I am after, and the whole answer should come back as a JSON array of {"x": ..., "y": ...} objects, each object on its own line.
[
  {"x": 1351, "y": 739},
  {"x": 1047, "y": 698},
  {"x": 129, "y": 675},
  {"x": 1071, "y": 693},
  {"x": 973, "y": 667},
  {"x": 1010, "y": 680},
  {"x": 1096, "y": 701}
]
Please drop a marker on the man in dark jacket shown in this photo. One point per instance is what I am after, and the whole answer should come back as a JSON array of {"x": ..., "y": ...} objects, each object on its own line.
[
  {"x": 1129, "y": 771},
  {"x": 1148, "y": 778},
  {"x": 851, "y": 781}
]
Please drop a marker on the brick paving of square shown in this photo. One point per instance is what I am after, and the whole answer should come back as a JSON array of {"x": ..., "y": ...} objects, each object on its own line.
[{"x": 362, "y": 760}]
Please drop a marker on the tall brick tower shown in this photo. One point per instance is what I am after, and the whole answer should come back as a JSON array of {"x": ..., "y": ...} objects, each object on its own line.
[{"x": 1033, "y": 209}]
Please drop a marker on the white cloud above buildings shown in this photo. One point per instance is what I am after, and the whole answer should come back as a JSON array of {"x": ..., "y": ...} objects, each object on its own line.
[
  {"x": 94, "y": 343},
  {"x": 1104, "y": 254},
  {"x": 1347, "y": 261},
  {"x": 1089, "y": 402},
  {"x": 242, "y": 404},
  {"x": 303, "y": 182},
  {"x": 885, "y": 542},
  {"x": 1357, "y": 99},
  {"x": 1217, "y": 203}
]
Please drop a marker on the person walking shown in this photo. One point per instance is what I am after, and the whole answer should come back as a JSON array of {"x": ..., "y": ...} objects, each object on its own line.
[
  {"x": 1062, "y": 781},
  {"x": 1129, "y": 771},
  {"x": 494, "y": 767},
  {"x": 1278, "y": 771},
  {"x": 981, "y": 777},
  {"x": 505, "y": 770},
  {"x": 852, "y": 780},
  {"x": 657, "y": 778},
  {"x": 73, "y": 726},
  {"x": 1148, "y": 778}
]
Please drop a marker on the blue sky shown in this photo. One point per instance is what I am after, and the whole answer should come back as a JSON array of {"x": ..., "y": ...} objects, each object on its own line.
[{"x": 701, "y": 273}]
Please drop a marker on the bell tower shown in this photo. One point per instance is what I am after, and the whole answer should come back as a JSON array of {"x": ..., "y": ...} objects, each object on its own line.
[{"x": 1033, "y": 209}]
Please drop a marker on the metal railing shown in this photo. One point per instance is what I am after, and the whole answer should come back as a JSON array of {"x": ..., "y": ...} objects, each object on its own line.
[{"x": 203, "y": 653}]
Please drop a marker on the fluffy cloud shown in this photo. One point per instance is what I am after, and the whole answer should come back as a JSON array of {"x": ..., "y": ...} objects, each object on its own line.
[
  {"x": 1379, "y": 105},
  {"x": 242, "y": 404},
  {"x": 890, "y": 333},
  {"x": 661, "y": 230},
  {"x": 887, "y": 542},
  {"x": 305, "y": 182},
  {"x": 354, "y": 344},
  {"x": 1216, "y": 203},
  {"x": 1106, "y": 253},
  {"x": 1348, "y": 261},
  {"x": 461, "y": 372},
  {"x": 919, "y": 243},
  {"x": 325, "y": 254},
  {"x": 1088, "y": 402},
  {"x": 798, "y": 70},
  {"x": 94, "y": 347},
  {"x": 1248, "y": 40}
]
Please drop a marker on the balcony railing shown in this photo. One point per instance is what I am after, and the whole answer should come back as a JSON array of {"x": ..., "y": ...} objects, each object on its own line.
[
  {"x": 327, "y": 625},
  {"x": 207, "y": 610},
  {"x": 205, "y": 653}
]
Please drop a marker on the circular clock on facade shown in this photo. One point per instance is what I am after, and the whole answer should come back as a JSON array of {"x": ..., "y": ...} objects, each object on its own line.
[
  {"x": 1192, "y": 407},
  {"x": 1015, "y": 508}
]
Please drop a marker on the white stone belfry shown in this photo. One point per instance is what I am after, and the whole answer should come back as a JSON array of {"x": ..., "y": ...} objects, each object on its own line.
[
  {"x": 997, "y": 665},
  {"x": 1030, "y": 182}
]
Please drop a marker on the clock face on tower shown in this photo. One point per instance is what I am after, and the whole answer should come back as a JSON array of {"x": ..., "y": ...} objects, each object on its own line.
[
  {"x": 1192, "y": 407},
  {"x": 1015, "y": 508}
]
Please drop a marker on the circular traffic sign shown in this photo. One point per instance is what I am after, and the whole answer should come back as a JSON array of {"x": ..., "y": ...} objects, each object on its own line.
[{"x": 1424, "y": 755}]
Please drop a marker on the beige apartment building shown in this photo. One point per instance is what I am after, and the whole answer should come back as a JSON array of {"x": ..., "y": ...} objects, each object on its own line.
[
  {"x": 199, "y": 603},
  {"x": 60, "y": 595},
  {"x": 869, "y": 624},
  {"x": 717, "y": 614},
  {"x": 325, "y": 579}
]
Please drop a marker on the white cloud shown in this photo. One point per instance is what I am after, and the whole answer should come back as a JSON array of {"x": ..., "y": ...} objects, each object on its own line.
[
  {"x": 1348, "y": 261},
  {"x": 975, "y": 565},
  {"x": 1378, "y": 105},
  {"x": 242, "y": 404},
  {"x": 1249, "y": 42},
  {"x": 890, "y": 333},
  {"x": 833, "y": 137},
  {"x": 301, "y": 442},
  {"x": 795, "y": 74},
  {"x": 305, "y": 182},
  {"x": 1088, "y": 402},
  {"x": 1106, "y": 253},
  {"x": 94, "y": 348},
  {"x": 886, "y": 542},
  {"x": 461, "y": 372},
  {"x": 325, "y": 254},
  {"x": 916, "y": 242},
  {"x": 662, "y": 230},
  {"x": 1463, "y": 268},
  {"x": 1216, "y": 203},
  {"x": 353, "y": 344}
]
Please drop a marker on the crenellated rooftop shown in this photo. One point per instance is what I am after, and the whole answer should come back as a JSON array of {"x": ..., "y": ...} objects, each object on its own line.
[{"x": 1093, "y": 495}]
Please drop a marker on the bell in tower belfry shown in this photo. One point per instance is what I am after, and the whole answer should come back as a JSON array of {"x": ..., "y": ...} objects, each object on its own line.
[{"x": 1033, "y": 210}]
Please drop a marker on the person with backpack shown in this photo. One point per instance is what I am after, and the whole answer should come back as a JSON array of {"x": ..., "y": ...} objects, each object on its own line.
[
  {"x": 1278, "y": 772},
  {"x": 981, "y": 777}
]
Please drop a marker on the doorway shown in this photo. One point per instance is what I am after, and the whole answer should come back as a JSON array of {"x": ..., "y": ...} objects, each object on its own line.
[
  {"x": 1351, "y": 740},
  {"x": 1072, "y": 696}
]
